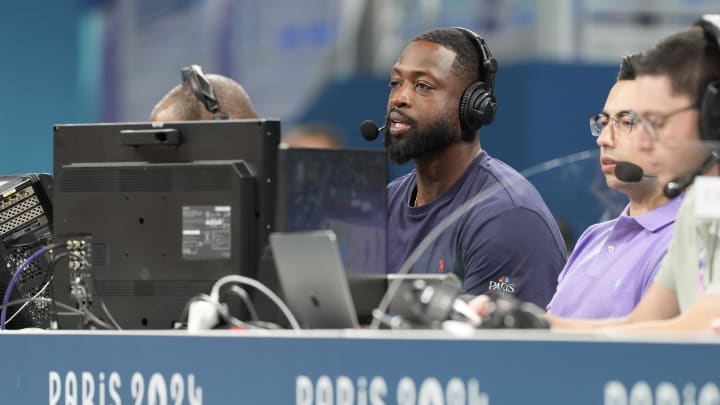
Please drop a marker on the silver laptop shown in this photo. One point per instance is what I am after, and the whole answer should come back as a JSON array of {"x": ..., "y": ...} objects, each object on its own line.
[{"x": 313, "y": 278}]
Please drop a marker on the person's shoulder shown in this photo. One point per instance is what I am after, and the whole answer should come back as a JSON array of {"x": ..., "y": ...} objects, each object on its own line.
[
  {"x": 687, "y": 207},
  {"x": 518, "y": 229},
  {"x": 495, "y": 165},
  {"x": 595, "y": 231},
  {"x": 502, "y": 173},
  {"x": 514, "y": 185},
  {"x": 599, "y": 226},
  {"x": 398, "y": 188},
  {"x": 401, "y": 181}
]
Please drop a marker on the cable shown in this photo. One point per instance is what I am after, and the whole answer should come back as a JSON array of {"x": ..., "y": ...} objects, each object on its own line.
[
  {"x": 38, "y": 239},
  {"x": 109, "y": 315},
  {"x": 240, "y": 292},
  {"x": 92, "y": 317},
  {"x": 235, "y": 278},
  {"x": 711, "y": 259},
  {"x": 457, "y": 214},
  {"x": 32, "y": 299},
  {"x": 16, "y": 276},
  {"x": 66, "y": 307},
  {"x": 265, "y": 325},
  {"x": 62, "y": 305},
  {"x": 223, "y": 311},
  {"x": 220, "y": 308},
  {"x": 85, "y": 310},
  {"x": 104, "y": 307},
  {"x": 50, "y": 276}
]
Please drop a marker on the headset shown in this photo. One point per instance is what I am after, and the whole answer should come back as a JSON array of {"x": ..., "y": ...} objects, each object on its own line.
[
  {"x": 710, "y": 109},
  {"x": 478, "y": 104},
  {"x": 203, "y": 90},
  {"x": 710, "y": 103}
]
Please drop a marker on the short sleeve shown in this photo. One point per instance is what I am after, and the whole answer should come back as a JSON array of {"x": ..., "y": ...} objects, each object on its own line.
[{"x": 515, "y": 252}]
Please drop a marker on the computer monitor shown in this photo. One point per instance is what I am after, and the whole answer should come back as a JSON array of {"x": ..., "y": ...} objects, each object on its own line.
[
  {"x": 343, "y": 190},
  {"x": 168, "y": 208},
  {"x": 338, "y": 189}
]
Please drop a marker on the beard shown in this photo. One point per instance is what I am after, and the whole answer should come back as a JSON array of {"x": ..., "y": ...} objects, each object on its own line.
[{"x": 419, "y": 140}]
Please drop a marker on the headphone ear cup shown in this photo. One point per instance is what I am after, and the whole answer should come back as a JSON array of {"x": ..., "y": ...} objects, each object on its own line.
[
  {"x": 477, "y": 108},
  {"x": 710, "y": 113}
]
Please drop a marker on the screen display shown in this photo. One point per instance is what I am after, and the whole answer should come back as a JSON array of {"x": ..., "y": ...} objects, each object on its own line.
[{"x": 341, "y": 190}]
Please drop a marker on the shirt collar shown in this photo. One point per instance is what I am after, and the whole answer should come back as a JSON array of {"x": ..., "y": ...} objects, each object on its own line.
[{"x": 657, "y": 218}]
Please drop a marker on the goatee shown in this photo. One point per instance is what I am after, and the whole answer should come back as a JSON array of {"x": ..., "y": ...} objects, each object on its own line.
[{"x": 419, "y": 140}]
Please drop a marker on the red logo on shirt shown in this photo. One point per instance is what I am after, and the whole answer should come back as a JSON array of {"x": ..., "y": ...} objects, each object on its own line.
[{"x": 441, "y": 266}]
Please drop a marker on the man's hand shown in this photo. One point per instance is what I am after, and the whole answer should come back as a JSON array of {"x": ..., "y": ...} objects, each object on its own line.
[
  {"x": 716, "y": 325},
  {"x": 481, "y": 305}
]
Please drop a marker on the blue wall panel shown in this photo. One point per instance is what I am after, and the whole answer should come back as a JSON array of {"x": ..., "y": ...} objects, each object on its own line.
[{"x": 38, "y": 50}]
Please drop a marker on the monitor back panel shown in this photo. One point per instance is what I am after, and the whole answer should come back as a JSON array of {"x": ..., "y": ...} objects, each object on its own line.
[
  {"x": 143, "y": 213},
  {"x": 160, "y": 234},
  {"x": 253, "y": 141}
]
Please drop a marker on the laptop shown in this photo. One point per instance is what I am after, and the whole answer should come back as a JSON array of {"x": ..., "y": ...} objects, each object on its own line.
[
  {"x": 316, "y": 287},
  {"x": 312, "y": 276}
]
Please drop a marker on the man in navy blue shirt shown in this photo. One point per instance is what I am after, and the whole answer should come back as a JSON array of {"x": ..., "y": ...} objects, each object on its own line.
[{"x": 441, "y": 93}]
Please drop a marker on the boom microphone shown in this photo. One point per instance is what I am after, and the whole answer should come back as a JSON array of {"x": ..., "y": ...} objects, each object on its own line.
[
  {"x": 630, "y": 172},
  {"x": 369, "y": 130},
  {"x": 675, "y": 187}
]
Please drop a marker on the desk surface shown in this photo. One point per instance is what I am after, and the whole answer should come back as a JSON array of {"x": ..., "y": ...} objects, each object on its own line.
[{"x": 356, "y": 367}]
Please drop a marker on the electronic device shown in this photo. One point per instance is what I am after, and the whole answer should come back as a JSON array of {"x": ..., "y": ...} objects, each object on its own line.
[
  {"x": 25, "y": 227},
  {"x": 710, "y": 104},
  {"x": 170, "y": 207},
  {"x": 709, "y": 115},
  {"x": 312, "y": 276},
  {"x": 203, "y": 90},
  {"x": 367, "y": 293},
  {"x": 478, "y": 103},
  {"x": 342, "y": 190}
]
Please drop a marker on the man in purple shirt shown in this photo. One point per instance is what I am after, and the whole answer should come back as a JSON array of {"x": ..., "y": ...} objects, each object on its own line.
[
  {"x": 441, "y": 93},
  {"x": 614, "y": 262},
  {"x": 679, "y": 83}
]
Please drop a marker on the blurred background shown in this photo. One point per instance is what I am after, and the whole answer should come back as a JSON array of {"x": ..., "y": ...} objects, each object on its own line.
[{"x": 309, "y": 61}]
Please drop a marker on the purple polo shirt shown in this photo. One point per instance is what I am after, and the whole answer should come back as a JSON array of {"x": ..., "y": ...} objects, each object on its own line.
[{"x": 613, "y": 264}]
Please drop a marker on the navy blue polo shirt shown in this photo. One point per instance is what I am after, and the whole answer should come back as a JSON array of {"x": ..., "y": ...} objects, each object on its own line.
[{"x": 508, "y": 242}]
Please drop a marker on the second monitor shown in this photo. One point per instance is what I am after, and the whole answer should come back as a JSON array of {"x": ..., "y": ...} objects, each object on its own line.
[{"x": 341, "y": 190}]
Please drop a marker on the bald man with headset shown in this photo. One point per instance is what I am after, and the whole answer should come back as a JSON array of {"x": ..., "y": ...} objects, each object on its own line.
[{"x": 203, "y": 97}]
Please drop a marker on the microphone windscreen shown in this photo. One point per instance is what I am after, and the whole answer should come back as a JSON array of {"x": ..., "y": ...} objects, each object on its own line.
[
  {"x": 369, "y": 130},
  {"x": 674, "y": 188},
  {"x": 628, "y": 172}
]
